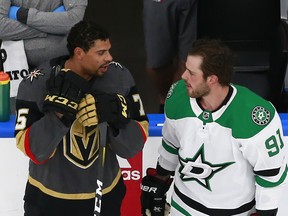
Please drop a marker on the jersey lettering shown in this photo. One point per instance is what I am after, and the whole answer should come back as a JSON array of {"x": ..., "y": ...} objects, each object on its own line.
[
  {"x": 21, "y": 119},
  {"x": 62, "y": 100},
  {"x": 124, "y": 105},
  {"x": 98, "y": 197},
  {"x": 274, "y": 144}
]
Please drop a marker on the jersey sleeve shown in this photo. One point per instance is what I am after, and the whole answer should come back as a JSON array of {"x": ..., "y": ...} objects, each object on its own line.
[
  {"x": 137, "y": 111},
  {"x": 168, "y": 150},
  {"x": 266, "y": 153},
  {"x": 131, "y": 138},
  {"x": 37, "y": 133}
]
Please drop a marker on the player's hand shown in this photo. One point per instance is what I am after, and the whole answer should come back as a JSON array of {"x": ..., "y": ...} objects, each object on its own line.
[
  {"x": 65, "y": 89},
  {"x": 87, "y": 114},
  {"x": 112, "y": 108},
  {"x": 153, "y": 196}
]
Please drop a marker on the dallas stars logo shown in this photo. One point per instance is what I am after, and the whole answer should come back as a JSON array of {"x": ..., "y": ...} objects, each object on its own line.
[
  {"x": 34, "y": 74},
  {"x": 260, "y": 115},
  {"x": 200, "y": 170}
]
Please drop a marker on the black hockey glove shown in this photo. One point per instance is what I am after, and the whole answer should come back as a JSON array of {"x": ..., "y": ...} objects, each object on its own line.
[
  {"x": 153, "y": 196},
  {"x": 112, "y": 108},
  {"x": 65, "y": 89}
]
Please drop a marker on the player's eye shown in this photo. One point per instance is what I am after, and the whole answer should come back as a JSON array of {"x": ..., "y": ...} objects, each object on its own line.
[{"x": 101, "y": 52}]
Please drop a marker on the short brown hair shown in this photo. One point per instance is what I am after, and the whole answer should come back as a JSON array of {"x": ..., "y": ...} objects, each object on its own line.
[{"x": 217, "y": 59}]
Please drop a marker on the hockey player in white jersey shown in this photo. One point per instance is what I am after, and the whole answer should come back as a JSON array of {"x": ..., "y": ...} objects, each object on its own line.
[{"x": 222, "y": 142}]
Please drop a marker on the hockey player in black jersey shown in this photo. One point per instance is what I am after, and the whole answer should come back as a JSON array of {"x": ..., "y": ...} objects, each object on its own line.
[
  {"x": 59, "y": 107},
  {"x": 223, "y": 143}
]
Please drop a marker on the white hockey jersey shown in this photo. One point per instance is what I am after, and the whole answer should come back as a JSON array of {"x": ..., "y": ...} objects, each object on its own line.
[{"x": 226, "y": 162}]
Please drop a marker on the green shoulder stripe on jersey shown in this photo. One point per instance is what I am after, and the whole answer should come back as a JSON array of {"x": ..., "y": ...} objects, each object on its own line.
[
  {"x": 169, "y": 148},
  {"x": 267, "y": 184},
  {"x": 179, "y": 208},
  {"x": 177, "y": 104},
  {"x": 247, "y": 114}
]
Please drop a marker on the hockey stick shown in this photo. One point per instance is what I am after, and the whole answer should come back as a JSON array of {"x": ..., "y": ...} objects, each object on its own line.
[{"x": 102, "y": 148}]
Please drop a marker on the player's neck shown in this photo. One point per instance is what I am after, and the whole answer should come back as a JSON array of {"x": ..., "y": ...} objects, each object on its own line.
[
  {"x": 215, "y": 98},
  {"x": 76, "y": 67}
]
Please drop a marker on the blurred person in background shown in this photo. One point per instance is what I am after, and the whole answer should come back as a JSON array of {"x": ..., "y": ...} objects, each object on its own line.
[
  {"x": 42, "y": 25},
  {"x": 169, "y": 31}
]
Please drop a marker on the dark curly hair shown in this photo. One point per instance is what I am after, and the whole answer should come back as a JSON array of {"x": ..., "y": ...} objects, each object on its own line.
[{"x": 83, "y": 35}]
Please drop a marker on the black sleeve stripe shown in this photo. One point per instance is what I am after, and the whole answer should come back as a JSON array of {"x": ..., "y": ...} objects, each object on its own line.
[
  {"x": 272, "y": 212},
  {"x": 267, "y": 173}
]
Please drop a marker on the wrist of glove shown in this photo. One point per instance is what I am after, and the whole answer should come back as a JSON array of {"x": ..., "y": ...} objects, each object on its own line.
[
  {"x": 112, "y": 108},
  {"x": 153, "y": 196},
  {"x": 18, "y": 13},
  {"x": 65, "y": 89}
]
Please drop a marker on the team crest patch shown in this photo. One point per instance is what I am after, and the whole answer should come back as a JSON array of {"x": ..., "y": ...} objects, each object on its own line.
[
  {"x": 260, "y": 115},
  {"x": 170, "y": 92},
  {"x": 34, "y": 74},
  {"x": 206, "y": 115}
]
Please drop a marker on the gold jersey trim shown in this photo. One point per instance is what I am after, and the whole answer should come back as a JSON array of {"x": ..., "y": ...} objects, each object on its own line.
[
  {"x": 80, "y": 196},
  {"x": 113, "y": 184},
  {"x": 20, "y": 141},
  {"x": 145, "y": 126}
]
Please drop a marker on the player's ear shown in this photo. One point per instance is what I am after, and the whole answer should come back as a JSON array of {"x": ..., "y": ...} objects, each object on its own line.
[
  {"x": 79, "y": 53},
  {"x": 212, "y": 79}
]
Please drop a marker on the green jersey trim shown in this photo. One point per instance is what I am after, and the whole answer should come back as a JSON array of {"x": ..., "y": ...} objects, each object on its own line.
[
  {"x": 169, "y": 148},
  {"x": 179, "y": 208},
  {"x": 264, "y": 183}
]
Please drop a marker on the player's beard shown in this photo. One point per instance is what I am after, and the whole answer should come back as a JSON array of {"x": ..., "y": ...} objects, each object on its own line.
[{"x": 199, "y": 91}]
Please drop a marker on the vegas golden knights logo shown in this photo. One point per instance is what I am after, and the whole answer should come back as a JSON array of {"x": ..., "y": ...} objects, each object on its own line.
[{"x": 83, "y": 146}]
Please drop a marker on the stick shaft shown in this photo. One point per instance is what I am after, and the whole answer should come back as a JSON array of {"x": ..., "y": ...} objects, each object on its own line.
[{"x": 102, "y": 148}]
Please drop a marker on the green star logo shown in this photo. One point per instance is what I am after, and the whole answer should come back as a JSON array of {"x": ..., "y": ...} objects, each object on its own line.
[{"x": 200, "y": 170}]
